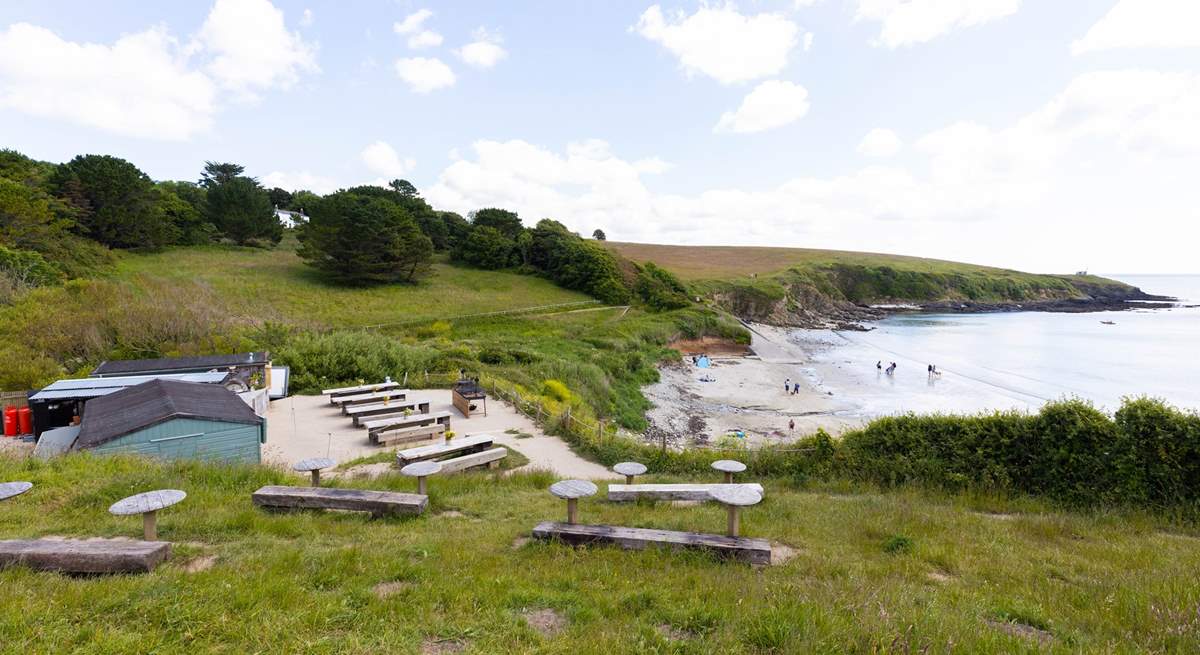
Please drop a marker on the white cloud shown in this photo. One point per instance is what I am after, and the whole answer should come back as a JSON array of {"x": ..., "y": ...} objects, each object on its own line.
[
  {"x": 1144, "y": 24},
  {"x": 424, "y": 39},
  {"x": 296, "y": 181},
  {"x": 1030, "y": 177},
  {"x": 908, "y": 22},
  {"x": 771, "y": 104},
  {"x": 484, "y": 51},
  {"x": 425, "y": 74},
  {"x": 722, "y": 43},
  {"x": 139, "y": 86},
  {"x": 252, "y": 48},
  {"x": 306, "y": 19},
  {"x": 413, "y": 22},
  {"x": 808, "y": 41},
  {"x": 382, "y": 159},
  {"x": 879, "y": 143}
]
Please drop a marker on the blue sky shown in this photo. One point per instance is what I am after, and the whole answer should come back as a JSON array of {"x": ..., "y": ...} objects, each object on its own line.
[{"x": 1049, "y": 136}]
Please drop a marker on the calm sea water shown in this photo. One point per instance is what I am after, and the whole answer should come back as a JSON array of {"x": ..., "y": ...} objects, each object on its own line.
[{"x": 1021, "y": 360}]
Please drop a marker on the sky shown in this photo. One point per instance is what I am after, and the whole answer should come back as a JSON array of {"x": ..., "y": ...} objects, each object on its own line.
[{"x": 1042, "y": 135}]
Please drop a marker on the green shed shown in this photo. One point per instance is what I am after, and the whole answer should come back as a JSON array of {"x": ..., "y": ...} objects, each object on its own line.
[{"x": 169, "y": 418}]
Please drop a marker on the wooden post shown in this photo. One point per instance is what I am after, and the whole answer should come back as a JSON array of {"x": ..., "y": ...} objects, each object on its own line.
[
  {"x": 421, "y": 485},
  {"x": 316, "y": 478},
  {"x": 599, "y": 429},
  {"x": 628, "y": 479},
  {"x": 150, "y": 526},
  {"x": 572, "y": 510},
  {"x": 405, "y": 383},
  {"x": 728, "y": 478},
  {"x": 733, "y": 521}
]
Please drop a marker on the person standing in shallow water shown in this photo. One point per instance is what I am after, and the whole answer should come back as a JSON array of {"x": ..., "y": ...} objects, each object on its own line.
[
  {"x": 879, "y": 365},
  {"x": 787, "y": 384}
]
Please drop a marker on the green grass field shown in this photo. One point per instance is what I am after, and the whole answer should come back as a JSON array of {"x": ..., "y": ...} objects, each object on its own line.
[
  {"x": 276, "y": 285},
  {"x": 903, "y": 572}
]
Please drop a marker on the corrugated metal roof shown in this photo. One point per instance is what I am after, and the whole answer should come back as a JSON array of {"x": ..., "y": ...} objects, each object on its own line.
[
  {"x": 92, "y": 387},
  {"x": 121, "y": 412},
  {"x": 165, "y": 364}
]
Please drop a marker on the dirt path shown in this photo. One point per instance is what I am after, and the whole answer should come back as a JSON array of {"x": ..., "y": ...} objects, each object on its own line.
[{"x": 308, "y": 426}]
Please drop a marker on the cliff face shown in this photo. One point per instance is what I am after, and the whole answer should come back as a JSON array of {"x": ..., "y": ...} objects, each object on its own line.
[{"x": 839, "y": 296}]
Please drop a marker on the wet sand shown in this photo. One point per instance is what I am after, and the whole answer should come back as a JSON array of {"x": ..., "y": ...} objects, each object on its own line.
[{"x": 748, "y": 395}]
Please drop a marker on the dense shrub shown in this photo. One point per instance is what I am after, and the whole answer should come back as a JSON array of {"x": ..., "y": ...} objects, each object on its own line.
[
  {"x": 320, "y": 361},
  {"x": 659, "y": 289},
  {"x": 1148, "y": 454},
  {"x": 575, "y": 263},
  {"x": 487, "y": 247}
]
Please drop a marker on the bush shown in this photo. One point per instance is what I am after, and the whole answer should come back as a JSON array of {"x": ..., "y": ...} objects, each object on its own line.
[
  {"x": 659, "y": 289},
  {"x": 486, "y": 247},
  {"x": 573, "y": 263},
  {"x": 320, "y": 361}
]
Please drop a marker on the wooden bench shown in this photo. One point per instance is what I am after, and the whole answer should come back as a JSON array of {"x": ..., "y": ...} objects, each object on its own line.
[
  {"x": 700, "y": 492},
  {"x": 362, "y": 388},
  {"x": 407, "y": 435},
  {"x": 489, "y": 458},
  {"x": 413, "y": 420},
  {"x": 371, "y": 397},
  {"x": 459, "y": 446},
  {"x": 745, "y": 549},
  {"x": 357, "y": 412},
  {"x": 85, "y": 556},
  {"x": 379, "y": 503}
]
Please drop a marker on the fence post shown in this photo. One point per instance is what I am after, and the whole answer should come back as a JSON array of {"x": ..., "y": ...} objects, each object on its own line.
[
  {"x": 567, "y": 418},
  {"x": 599, "y": 429},
  {"x": 405, "y": 384}
]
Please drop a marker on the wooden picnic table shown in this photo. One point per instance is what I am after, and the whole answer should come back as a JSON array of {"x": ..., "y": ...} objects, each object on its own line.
[
  {"x": 362, "y": 388},
  {"x": 368, "y": 397},
  {"x": 360, "y": 413},
  {"x": 459, "y": 446},
  {"x": 390, "y": 423}
]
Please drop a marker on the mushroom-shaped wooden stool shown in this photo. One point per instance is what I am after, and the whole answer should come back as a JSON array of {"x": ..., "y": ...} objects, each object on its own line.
[
  {"x": 10, "y": 489},
  {"x": 728, "y": 467},
  {"x": 734, "y": 498},
  {"x": 313, "y": 465},
  {"x": 420, "y": 471},
  {"x": 572, "y": 491},
  {"x": 147, "y": 504},
  {"x": 630, "y": 469}
]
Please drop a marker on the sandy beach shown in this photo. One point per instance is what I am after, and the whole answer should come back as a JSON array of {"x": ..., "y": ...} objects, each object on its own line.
[{"x": 747, "y": 395}]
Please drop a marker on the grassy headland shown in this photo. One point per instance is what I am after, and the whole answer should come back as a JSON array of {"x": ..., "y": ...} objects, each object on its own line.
[{"x": 898, "y": 572}]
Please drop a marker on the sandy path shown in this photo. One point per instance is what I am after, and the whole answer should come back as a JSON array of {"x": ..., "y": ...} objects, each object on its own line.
[{"x": 308, "y": 426}]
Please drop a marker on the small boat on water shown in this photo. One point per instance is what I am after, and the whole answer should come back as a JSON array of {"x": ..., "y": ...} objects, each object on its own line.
[{"x": 1107, "y": 323}]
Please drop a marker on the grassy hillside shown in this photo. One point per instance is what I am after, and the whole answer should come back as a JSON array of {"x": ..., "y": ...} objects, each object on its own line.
[
  {"x": 902, "y": 572},
  {"x": 276, "y": 285}
]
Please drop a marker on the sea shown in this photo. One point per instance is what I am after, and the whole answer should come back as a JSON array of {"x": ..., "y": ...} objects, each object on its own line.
[{"x": 1020, "y": 360}]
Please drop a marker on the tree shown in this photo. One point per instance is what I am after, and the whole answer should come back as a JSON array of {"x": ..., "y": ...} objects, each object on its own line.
[
  {"x": 303, "y": 199},
  {"x": 241, "y": 209},
  {"x": 486, "y": 247},
  {"x": 508, "y": 223},
  {"x": 457, "y": 228},
  {"x": 360, "y": 239},
  {"x": 191, "y": 226},
  {"x": 659, "y": 289},
  {"x": 281, "y": 198},
  {"x": 598, "y": 235},
  {"x": 115, "y": 202},
  {"x": 219, "y": 173},
  {"x": 33, "y": 220},
  {"x": 404, "y": 188}
]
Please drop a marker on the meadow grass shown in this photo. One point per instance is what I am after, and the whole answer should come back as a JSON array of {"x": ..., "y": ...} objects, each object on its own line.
[
  {"x": 276, "y": 285},
  {"x": 973, "y": 570}
]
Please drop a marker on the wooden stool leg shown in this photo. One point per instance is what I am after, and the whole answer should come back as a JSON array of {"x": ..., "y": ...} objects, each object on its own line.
[
  {"x": 150, "y": 526},
  {"x": 316, "y": 478},
  {"x": 629, "y": 479},
  {"x": 728, "y": 477},
  {"x": 421, "y": 485},
  {"x": 733, "y": 521},
  {"x": 572, "y": 511}
]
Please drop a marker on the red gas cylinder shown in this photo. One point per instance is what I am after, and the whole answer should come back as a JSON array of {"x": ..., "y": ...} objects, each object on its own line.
[
  {"x": 24, "y": 421},
  {"x": 10, "y": 421}
]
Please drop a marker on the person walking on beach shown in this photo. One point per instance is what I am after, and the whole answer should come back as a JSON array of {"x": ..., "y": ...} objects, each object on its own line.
[
  {"x": 879, "y": 365},
  {"x": 791, "y": 425},
  {"x": 787, "y": 384},
  {"x": 796, "y": 388}
]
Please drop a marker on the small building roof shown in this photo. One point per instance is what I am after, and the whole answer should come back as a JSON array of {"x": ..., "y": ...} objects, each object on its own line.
[
  {"x": 92, "y": 387},
  {"x": 150, "y": 403},
  {"x": 55, "y": 442},
  {"x": 177, "y": 364}
]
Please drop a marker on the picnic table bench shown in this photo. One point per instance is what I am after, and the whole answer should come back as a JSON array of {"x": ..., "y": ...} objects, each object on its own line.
[
  {"x": 393, "y": 422},
  {"x": 84, "y": 556},
  {"x": 379, "y": 503},
  {"x": 369, "y": 397},
  {"x": 489, "y": 458},
  {"x": 745, "y": 549},
  {"x": 407, "y": 435},
  {"x": 459, "y": 446},
  {"x": 357, "y": 412},
  {"x": 700, "y": 492},
  {"x": 362, "y": 388}
]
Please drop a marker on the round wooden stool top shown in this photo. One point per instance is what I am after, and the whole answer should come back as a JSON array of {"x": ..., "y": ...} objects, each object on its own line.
[
  {"x": 572, "y": 489},
  {"x": 151, "y": 501},
  {"x": 729, "y": 466},
  {"x": 735, "y": 495},
  {"x": 630, "y": 468},
  {"x": 10, "y": 489},
  {"x": 313, "y": 464},
  {"x": 421, "y": 469}
]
